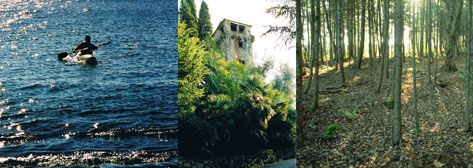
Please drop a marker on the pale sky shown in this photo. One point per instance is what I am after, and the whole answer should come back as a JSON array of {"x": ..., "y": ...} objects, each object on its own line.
[{"x": 252, "y": 12}]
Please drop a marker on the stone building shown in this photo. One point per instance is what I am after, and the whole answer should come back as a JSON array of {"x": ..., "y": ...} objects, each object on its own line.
[{"x": 235, "y": 41}]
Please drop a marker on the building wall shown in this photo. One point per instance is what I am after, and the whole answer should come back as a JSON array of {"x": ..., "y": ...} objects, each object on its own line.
[{"x": 229, "y": 43}]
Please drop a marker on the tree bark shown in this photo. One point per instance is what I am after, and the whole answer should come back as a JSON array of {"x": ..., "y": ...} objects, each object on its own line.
[
  {"x": 454, "y": 8},
  {"x": 414, "y": 71},
  {"x": 339, "y": 39},
  {"x": 310, "y": 23},
  {"x": 315, "y": 51},
  {"x": 362, "y": 35},
  {"x": 329, "y": 28},
  {"x": 429, "y": 38},
  {"x": 371, "y": 39},
  {"x": 468, "y": 68},
  {"x": 384, "y": 46},
  {"x": 398, "y": 34},
  {"x": 300, "y": 115},
  {"x": 421, "y": 40},
  {"x": 438, "y": 42},
  {"x": 351, "y": 29},
  {"x": 309, "y": 35}
]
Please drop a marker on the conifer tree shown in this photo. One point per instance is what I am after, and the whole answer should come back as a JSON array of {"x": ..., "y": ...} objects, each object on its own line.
[
  {"x": 204, "y": 24},
  {"x": 193, "y": 10},
  {"x": 186, "y": 16}
]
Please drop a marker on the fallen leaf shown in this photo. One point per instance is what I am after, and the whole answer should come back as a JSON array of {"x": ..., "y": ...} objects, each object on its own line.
[{"x": 438, "y": 164}]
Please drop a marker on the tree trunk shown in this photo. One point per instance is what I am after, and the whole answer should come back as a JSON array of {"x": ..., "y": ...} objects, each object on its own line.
[
  {"x": 454, "y": 8},
  {"x": 468, "y": 68},
  {"x": 384, "y": 46},
  {"x": 422, "y": 23},
  {"x": 414, "y": 71},
  {"x": 300, "y": 116},
  {"x": 315, "y": 51},
  {"x": 329, "y": 28},
  {"x": 339, "y": 39},
  {"x": 371, "y": 39},
  {"x": 351, "y": 29},
  {"x": 362, "y": 35},
  {"x": 398, "y": 31},
  {"x": 379, "y": 28},
  {"x": 429, "y": 38},
  {"x": 438, "y": 41},
  {"x": 309, "y": 36}
]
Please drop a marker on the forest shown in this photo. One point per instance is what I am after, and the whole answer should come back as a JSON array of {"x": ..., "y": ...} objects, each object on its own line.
[
  {"x": 225, "y": 108},
  {"x": 384, "y": 83}
]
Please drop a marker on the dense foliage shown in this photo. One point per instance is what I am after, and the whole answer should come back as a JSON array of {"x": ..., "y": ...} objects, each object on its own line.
[
  {"x": 187, "y": 14},
  {"x": 225, "y": 107},
  {"x": 191, "y": 69},
  {"x": 204, "y": 24}
]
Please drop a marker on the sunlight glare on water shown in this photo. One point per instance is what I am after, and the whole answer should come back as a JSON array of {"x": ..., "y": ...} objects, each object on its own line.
[{"x": 122, "y": 111}]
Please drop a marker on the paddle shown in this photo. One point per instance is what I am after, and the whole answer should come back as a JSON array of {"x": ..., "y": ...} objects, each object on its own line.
[
  {"x": 106, "y": 43},
  {"x": 63, "y": 55}
]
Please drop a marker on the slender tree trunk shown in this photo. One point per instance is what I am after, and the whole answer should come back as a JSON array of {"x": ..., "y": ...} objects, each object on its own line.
[
  {"x": 387, "y": 52},
  {"x": 379, "y": 30},
  {"x": 335, "y": 30},
  {"x": 316, "y": 46},
  {"x": 309, "y": 37},
  {"x": 329, "y": 29},
  {"x": 300, "y": 115},
  {"x": 371, "y": 39},
  {"x": 398, "y": 25},
  {"x": 468, "y": 68},
  {"x": 362, "y": 35},
  {"x": 422, "y": 25},
  {"x": 385, "y": 42},
  {"x": 438, "y": 41},
  {"x": 414, "y": 71},
  {"x": 429, "y": 38},
  {"x": 339, "y": 39},
  {"x": 351, "y": 27}
]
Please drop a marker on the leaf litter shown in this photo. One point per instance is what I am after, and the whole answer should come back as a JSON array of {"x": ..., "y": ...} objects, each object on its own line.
[{"x": 365, "y": 140}]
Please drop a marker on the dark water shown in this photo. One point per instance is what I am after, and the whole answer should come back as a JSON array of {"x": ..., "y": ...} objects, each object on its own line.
[{"x": 123, "y": 111}]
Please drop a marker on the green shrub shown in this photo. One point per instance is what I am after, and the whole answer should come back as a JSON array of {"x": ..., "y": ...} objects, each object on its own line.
[
  {"x": 351, "y": 114},
  {"x": 389, "y": 102},
  {"x": 330, "y": 132}
]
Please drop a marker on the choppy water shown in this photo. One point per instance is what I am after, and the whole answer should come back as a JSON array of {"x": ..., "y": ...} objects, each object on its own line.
[{"x": 123, "y": 111}]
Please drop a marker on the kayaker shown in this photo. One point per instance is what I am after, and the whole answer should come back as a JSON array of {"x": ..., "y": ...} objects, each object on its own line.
[{"x": 85, "y": 47}]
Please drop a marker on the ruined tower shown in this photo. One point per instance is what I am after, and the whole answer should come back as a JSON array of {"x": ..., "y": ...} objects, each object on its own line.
[{"x": 235, "y": 41}]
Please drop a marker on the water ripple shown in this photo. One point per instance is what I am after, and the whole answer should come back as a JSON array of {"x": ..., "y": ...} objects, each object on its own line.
[{"x": 123, "y": 111}]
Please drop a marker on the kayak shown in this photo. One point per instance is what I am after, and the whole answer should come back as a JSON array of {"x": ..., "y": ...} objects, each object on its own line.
[{"x": 87, "y": 59}]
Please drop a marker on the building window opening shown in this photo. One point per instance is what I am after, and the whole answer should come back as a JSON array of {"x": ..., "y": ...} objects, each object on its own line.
[
  {"x": 240, "y": 44},
  {"x": 233, "y": 27},
  {"x": 241, "y": 29}
]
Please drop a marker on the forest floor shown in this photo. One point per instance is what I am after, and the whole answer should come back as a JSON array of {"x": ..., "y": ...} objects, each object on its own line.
[{"x": 365, "y": 140}]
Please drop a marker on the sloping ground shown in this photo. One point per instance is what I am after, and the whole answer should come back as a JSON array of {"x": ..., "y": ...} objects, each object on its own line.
[{"x": 365, "y": 140}]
